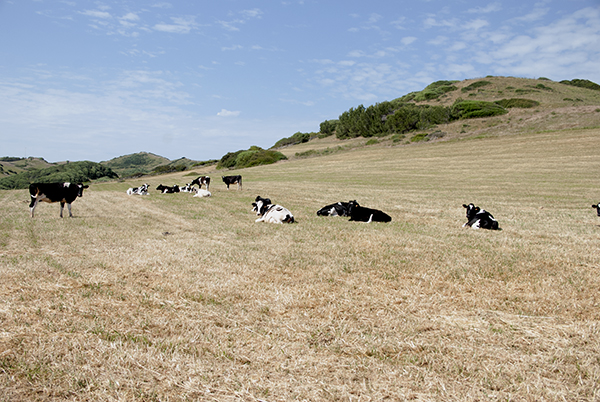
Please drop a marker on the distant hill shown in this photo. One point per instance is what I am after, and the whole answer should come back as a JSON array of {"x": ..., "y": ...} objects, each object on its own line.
[
  {"x": 449, "y": 110},
  {"x": 138, "y": 163},
  {"x": 143, "y": 163},
  {"x": 11, "y": 165},
  {"x": 74, "y": 172}
]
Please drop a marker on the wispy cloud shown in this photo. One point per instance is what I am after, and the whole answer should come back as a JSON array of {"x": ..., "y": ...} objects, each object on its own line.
[
  {"x": 179, "y": 25},
  {"x": 228, "y": 113}
]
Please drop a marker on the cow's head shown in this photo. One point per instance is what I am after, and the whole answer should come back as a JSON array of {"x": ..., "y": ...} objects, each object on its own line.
[
  {"x": 260, "y": 206},
  {"x": 472, "y": 210},
  {"x": 351, "y": 205},
  {"x": 81, "y": 187},
  {"x": 597, "y": 206},
  {"x": 160, "y": 187}
]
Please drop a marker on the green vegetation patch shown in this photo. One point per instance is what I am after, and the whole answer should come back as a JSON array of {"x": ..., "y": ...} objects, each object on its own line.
[
  {"x": 435, "y": 90},
  {"x": 73, "y": 172},
  {"x": 475, "y": 85},
  {"x": 255, "y": 156},
  {"x": 517, "y": 102},
  {"x": 297, "y": 138},
  {"x": 473, "y": 109},
  {"x": 582, "y": 84}
]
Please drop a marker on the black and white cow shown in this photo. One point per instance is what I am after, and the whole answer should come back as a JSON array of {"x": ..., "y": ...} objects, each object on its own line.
[
  {"x": 186, "y": 189},
  {"x": 168, "y": 190},
  {"x": 65, "y": 193},
  {"x": 479, "y": 218},
  {"x": 201, "y": 180},
  {"x": 141, "y": 190},
  {"x": 597, "y": 206},
  {"x": 233, "y": 180},
  {"x": 271, "y": 213},
  {"x": 337, "y": 209},
  {"x": 362, "y": 214}
]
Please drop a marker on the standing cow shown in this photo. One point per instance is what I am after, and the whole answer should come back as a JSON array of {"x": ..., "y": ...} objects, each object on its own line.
[
  {"x": 233, "y": 180},
  {"x": 200, "y": 181},
  {"x": 65, "y": 193}
]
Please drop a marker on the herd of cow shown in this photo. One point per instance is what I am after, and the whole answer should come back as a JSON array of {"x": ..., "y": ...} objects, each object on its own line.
[{"x": 66, "y": 193}]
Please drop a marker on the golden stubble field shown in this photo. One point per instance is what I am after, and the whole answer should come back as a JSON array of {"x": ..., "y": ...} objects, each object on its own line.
[{"x": 169, "y": 297}]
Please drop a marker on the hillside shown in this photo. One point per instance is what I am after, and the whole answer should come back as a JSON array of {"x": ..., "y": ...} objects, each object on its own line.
[
  {"x": 560, "y": 107},
  {"x": 10, "y": 165},
  {"x": 138, "y": 163}
]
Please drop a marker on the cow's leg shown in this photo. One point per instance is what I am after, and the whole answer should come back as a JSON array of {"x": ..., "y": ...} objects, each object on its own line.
[
  {"x": 33, "y": 204},
  {"x": 69, "y": 208},
  {"x": 62, "y": 206}
]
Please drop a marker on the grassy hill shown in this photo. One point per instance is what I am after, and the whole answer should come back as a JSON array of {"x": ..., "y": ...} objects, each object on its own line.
[
  {"x": 138, "y": 163},
  {"x": 561, "y": 106},
  {"x": 11, "y": 165}
]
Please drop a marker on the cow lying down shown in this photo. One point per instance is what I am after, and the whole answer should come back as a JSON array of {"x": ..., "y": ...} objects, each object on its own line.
[
  {"x": 141, "y": 190},
  {"x": 200, "y": 192},
  {"x": 271, "y": 213},
  {"x": 337, "y": 209},
  {"x": 480, "y": 218},
  {"x": 362, "y": 214}
]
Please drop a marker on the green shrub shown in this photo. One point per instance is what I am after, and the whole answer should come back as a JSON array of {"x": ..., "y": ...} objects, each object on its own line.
[
  {"x": 297, "y": 138},
  {"x": 328, "y": 128},
  {"x": 74, "y": 172},
  {"x": 473, "y": 109},
  {"x": 434, "y": 91},
  {"x": 372, "y": 141},
  {"x": 475, "y": 85},
  {"x": 254, "y": 156},
  {"x": 517, "y": 102},
  {"x": 418, "y": 137},
  {"x": 582, "y": 84}
]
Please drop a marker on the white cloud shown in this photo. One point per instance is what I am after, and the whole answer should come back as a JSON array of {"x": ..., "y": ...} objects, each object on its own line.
[
  {"x": 96, "y": 14},
  {"x": 254, "y": 13},
  {"x": 130, "y": 17},
  {"x": 228, "y": 113},
  {"x": 180, "y": 25},
  {"x": 407, "y": 40}
]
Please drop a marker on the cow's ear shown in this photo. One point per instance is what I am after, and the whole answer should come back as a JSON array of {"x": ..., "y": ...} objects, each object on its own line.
[
  {"x": 477, "y": 209},
  {"x": 465, "y": 205},
  {"x": 594, "y": 206},
  {"x": 86, "y": 186}
]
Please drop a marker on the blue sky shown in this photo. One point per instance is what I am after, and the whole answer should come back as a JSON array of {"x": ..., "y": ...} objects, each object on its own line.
[{"x": 93, "y": 80}]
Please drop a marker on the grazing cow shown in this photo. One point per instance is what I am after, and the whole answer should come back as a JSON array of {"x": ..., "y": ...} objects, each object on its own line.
[
  {"x": 141, "y": 190},
  {"x": 362, "y": 214},
  {"x": 337, "y": 209},
  {"x": 65, "y": 193},
  {"x": 168, "y": 190},
  {"x": 480, "y": 218},
  {"x": 597, "y": 206},
  {"x": 271, "y": 213},
  {"x": 201, "y": 192},
  {"x": 202, "y": 180},
  {"x": 233, "y": 180}
]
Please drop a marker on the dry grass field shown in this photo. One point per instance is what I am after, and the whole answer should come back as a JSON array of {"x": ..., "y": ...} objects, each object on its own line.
[{"x": 171, "y": 298}]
